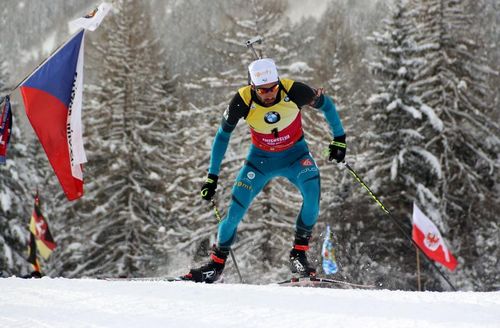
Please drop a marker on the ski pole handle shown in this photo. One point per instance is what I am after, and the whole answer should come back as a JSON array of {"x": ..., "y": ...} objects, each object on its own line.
[{"x": 216, "y": 210}]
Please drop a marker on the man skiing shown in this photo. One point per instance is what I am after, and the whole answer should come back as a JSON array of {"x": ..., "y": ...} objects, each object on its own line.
[{"x": 272, "y": 108}]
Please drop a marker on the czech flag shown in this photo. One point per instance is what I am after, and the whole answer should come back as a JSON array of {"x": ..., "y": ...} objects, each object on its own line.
[
  {"x": 427, "y": 236},
  {"x": 5, "y": 129},
  {"x": 52, "y": 97}
]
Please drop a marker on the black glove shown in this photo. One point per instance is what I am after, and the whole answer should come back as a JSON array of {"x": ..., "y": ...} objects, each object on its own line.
[
  {"x": 209, "y": 187},
  {"x": 337, "y": 149}
]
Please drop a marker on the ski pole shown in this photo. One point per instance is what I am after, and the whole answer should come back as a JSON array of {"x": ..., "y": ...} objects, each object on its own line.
[
  {"x": 219, "y": 218},
  {"x": 400, "y": 227}
]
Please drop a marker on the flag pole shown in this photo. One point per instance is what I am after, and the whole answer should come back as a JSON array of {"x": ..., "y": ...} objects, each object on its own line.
[
  {"x": 67, "y": 41},
  {"x": 45, "y": 60},
  {"x": 400, "y": 227},
  {"x": 419, "y": 283}
]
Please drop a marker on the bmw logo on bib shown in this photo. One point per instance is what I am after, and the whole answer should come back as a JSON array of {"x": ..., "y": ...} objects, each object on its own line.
[{"x": 272, "y": 117}]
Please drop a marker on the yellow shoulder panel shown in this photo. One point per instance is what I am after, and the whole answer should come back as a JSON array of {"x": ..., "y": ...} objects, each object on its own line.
[
  {"x": 287, "y": 84},
  {"x": 246, "y": 94}
]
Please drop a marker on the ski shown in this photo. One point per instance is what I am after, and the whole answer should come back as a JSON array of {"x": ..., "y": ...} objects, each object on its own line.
[
  {"x": 320, "y": 282},
  {"x": 292, "y": 282},
  {"x": 143, "y": 279}
]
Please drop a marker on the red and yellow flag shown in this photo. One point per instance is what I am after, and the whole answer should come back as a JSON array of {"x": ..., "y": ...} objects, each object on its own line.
[
  {"x": 40, "y": 230},
  {"x": 32, "y": 258}
]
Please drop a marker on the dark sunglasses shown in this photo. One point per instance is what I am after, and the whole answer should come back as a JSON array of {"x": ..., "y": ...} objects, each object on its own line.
[{"x": 262, "y": 91}]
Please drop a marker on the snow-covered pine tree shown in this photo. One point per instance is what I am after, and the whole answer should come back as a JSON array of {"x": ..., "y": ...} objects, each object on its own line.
[
  {"x": 454, "y": 83},
  {"x": 14, "y": 192},
  {"x": 194, "y": 123},
  {"x": 398, "y": 165},
  {"x": 117, "y": 228},
  {"x": 335, "y": 53},
  {"x": 15, "y": 208},
  {"x": 340, "y": 47},
  {"x": 486, "y": 17},
  {"x": 486, "y": 23}
]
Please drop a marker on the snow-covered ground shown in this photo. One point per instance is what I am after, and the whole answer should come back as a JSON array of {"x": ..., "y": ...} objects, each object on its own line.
[{"x": 68, "y": 303}]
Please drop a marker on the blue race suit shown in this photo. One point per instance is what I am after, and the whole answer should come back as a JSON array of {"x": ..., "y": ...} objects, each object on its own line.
[{"x": 278, "y": 149}]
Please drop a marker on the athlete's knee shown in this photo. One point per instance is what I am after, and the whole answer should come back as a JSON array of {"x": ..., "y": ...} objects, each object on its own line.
[
  {"x": 240, "y": 202},
  {"x": 311, "y": 193}
]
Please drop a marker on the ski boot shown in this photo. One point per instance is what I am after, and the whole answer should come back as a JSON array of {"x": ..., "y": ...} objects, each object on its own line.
[
  {"x": 298, "y": 258},
  {"x": 212, "y": 271}
]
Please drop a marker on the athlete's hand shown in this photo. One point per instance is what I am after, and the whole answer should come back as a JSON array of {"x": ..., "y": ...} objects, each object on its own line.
[
  {"x": 209, "y": 187},
  {"x": 337, "y": 149}
]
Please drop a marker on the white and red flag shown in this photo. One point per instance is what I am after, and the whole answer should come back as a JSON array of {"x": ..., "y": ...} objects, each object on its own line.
[{"x": 427, "y": 236}]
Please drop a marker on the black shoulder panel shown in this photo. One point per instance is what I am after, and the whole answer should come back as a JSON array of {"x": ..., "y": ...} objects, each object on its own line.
[
  {"x": 301, "y": 94},
  {"x": 236, "y": 110}
]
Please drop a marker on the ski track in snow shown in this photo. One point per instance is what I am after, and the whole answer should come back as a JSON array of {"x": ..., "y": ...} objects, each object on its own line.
[{"x": 65, "y": 303}]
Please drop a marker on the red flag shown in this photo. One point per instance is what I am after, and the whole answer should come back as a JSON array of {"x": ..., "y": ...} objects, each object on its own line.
[
  {"x": 40, "y": 229},
  {"x": 5, "y": 129},
  {"x": 428, "y": 238},
  {"x": 52, "y": 98}
]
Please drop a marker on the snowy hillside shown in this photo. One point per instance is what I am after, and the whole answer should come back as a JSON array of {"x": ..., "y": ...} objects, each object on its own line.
[{"x": 95, "y": 303}]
